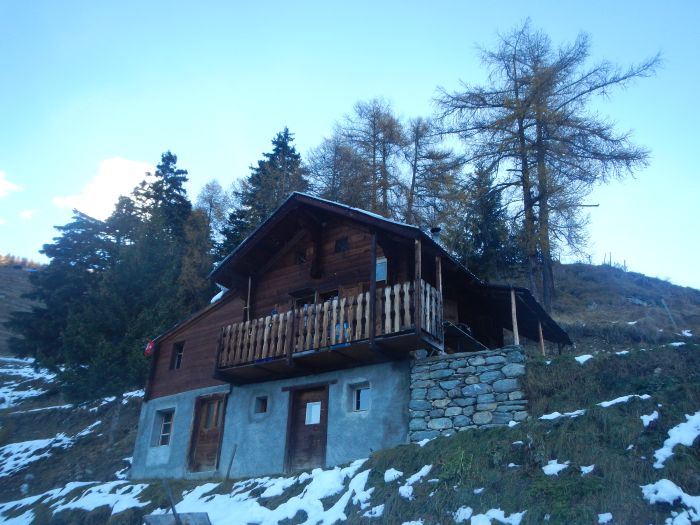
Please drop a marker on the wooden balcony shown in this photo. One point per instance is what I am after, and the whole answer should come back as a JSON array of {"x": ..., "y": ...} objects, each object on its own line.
[{"x": 332, "y": 335}]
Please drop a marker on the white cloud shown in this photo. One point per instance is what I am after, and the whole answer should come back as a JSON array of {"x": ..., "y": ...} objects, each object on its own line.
[
  {"x": 3, "y": 222},
  {"x": 6, "y": 186},
  {"x": 28, "y": 215},
  {"x": 115, "y": 177}
]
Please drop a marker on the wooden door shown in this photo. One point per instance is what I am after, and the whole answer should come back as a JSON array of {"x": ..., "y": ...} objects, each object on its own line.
[
  {"x": 207, "y": 432},
  {"x": 308, "y": 428}
]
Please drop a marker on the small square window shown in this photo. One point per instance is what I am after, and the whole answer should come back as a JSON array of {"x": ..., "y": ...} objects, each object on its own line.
[
  {"x": 313, "y": 413},
  {"x": 260, "y": 406},
  {"x": 163, "y": 427},
  {"x": 342, "y": 245},
  {"x": 177, "y": 354},
  {"x": 381, "y": 269},
  {"x": 360, "y": 398}
]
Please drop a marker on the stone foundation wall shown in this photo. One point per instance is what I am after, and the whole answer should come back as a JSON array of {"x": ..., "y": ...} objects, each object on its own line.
[{"x": 468, "y": 390}]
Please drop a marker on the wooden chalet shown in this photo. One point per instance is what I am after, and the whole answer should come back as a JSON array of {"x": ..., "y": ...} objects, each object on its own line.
[
  {"x": 322, "y": 286},
  {"x": 310, "y": 344}
]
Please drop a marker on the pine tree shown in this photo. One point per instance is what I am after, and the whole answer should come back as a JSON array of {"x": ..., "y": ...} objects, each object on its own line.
[{"x": 270, "y": 182}]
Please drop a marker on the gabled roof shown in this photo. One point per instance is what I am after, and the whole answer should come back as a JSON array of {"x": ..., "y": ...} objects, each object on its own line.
[{"x": 298, "y": 201}]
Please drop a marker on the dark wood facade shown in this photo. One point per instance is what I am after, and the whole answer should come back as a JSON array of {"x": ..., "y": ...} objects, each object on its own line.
[{"x": 300, "y": 301}]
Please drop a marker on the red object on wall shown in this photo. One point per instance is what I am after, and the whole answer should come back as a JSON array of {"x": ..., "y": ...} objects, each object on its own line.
[{"x": 149, "y": 349}]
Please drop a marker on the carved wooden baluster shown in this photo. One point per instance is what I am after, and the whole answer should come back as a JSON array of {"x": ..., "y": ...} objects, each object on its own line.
[
  {"x": 405, "y": 306},
  {"x": 360, "y": 317},
  {"x": 253, "y": 347},
  {"x": 352, "y": 311},
  {"x": 334, "y": 320},
  {"x": 342, "y": 323},
  {"x": 425, "y": 301},
  {"x": 245, "y": 338},
  {"x": 265, "y": 332},
  {"x": 230, "y": 343},
  {"x": 287, "y": 339},
  {"x": 387, "y": 310},
  {"x": 396, "y": 307}
]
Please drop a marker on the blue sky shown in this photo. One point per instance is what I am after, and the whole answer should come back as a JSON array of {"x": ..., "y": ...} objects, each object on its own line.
[{"x": 93, "y": 92}]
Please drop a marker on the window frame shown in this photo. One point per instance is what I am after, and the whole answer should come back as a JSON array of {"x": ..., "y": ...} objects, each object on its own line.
[
  {"x": 382, "y": 261},
  {"x": 356, "y": 397},
  {"x": 177, "y": 354},
  {"x": 262, "y": 401},
  {"x": 161, "y": 436}
]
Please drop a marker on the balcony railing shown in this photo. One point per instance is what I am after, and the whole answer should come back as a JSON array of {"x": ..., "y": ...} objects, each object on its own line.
[{"x": 340, "y": 321}]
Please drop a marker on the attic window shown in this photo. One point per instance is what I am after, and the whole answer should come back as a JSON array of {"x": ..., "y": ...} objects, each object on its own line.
[
  {"x": 176, "y": 356},
  {"x": 342, "y": 245}
]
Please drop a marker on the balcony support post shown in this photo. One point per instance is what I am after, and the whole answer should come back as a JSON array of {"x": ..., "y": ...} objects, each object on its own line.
[
  {"x": 373, "y": 290},
  {"x": 417, "y": 289},
  {"x": 514, "y": 314}
]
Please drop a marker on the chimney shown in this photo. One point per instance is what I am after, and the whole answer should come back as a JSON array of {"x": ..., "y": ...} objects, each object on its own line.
[{"x": 435, "y": 233}]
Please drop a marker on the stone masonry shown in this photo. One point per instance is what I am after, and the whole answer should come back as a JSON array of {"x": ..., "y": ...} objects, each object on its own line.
[{"x": 452, "y": 392}]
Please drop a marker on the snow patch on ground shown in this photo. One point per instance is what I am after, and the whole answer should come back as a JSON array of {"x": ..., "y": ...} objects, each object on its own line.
[
  {"x": 682, "y": 434},
  {"x": 462, "y": 514},
  {"x": 583, "y": 358},
  {"x": 666, "y": 491},
  {"x": 623, "y": 399},
  {"x": 134, "y": 394},
  {"x": 499, "y": 516},
  {"x": 677, "y": 344},
  {"x": 686, "y": 333},
  {"x": 622, "y": 352},
  {"x": 586, "y": 470},
  {"x": 553, "y": 467},
  {"x": 557, "y": 415},
  {"x": 406, "y": 490},
  {"x": 606, "y": 517},
  {"x": 17, "y": 456},
  {"x": 375, "y": 512},
  {"x": 647, "y": 419},
  {"x": 392, "y": 475}
]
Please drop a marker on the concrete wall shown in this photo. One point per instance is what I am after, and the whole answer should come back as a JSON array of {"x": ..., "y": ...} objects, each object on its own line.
[
  {"x": 254, "y": 444},
  {"x": 467, "y": 390}
]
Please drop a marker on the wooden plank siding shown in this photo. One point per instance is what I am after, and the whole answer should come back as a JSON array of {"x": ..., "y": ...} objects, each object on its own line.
[
  {"x": 347, "y": 269},
  {"x": 201, "y": 338}
]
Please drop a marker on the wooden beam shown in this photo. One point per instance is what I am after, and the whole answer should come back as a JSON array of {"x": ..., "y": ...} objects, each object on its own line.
[
  {"x": 539, "y": 327},
  {"x": 281, "y": 252},
  {"x": 438, "y": 273},
  {"x": 247, "y": 304},
  {"x": 514, "y": 315},
  {"x": 373, "y": 290},
  {"x": 417, "y": 289}
]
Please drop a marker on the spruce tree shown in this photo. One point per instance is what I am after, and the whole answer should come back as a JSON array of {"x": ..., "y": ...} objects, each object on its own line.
[{"x": 270, "y": 182}]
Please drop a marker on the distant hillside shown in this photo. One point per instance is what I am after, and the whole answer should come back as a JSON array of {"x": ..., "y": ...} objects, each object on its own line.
[
  {"x": 602, "y": 306},
  {"x": 14, "y": 283}
]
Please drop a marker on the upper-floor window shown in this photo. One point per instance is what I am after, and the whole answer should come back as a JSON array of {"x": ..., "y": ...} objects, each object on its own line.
[
  {"x": 342, "y": 245},
  {"x": 177, "y": 354},
  {"x": 381, "y": 269}
]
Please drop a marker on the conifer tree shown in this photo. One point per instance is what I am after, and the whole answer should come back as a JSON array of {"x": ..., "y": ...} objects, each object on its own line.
[{"x": 270, "y": 182}]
